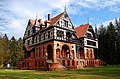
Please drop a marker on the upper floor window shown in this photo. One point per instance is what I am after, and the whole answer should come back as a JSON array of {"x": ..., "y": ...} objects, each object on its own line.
[
  {"x": 48, "y": 34},
  {"x": 65, "y": 23},
  {"x": 28, "y": 42},
  {"x": 59, "y": 33},
  {"x": 43, "y": 51},
  {"x": 91, "y": 43},
  {"x": 39, "y": 37},
  {"x": 44, "y": 37},
  {"x": 89, "y": 35},
  {"x": 36, "y": 39},
  {"x": 28, "y": 32},
  {"x": 33, "y": 29},
  {"x": 33, "y": 39}
]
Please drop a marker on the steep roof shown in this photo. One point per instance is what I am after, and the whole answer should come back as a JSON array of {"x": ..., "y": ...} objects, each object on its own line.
[
  {"x": 32, "y": 22},
  {"x": 81, "y": 30},
  {"x": 54, "y": 20}
]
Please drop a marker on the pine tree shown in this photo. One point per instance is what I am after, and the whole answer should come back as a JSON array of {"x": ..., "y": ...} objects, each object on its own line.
[
  {"x": 13, "y": 51},
  {"x": 5, "y": 49}
]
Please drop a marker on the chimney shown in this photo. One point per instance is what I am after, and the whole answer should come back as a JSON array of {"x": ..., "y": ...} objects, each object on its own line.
[
  {"x": 39, "y": 20},
  {"x": 48, "y": 16}
]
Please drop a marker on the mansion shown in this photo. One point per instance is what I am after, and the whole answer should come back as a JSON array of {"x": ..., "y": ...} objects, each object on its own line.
[{"x": 56, "y": 44}]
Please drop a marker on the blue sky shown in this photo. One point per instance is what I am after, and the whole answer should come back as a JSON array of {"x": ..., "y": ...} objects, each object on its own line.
[{"x": 20, "y": 11}]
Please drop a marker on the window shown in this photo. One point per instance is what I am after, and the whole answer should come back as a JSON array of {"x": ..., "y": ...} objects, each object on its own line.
[
  {"x": 39, "y": 64},
  {"x": 36, "y": 55},
  {"x": 59, "y": 33},
  {"x": 63, "y": 62},
  {"x": 44, "y": 37},
  {"x": 77, "y": 63},
  {"x": 39, "y": 37},
  {"x": 91, "y": 53},
  {"x": 43, "y": 63},
  {"x": 28, "y": 32},
  {"x": 72, "y": 62},
  {"x": 91, "y": 43},
  {"x": 28, "y": 42},
  {"x": 39, "y": 51},
  {"x": 33, "y": 39},
  {"x": 35, "y": 63},
  {"x": 68, "y": 62},
  {"x": 57, "y": 44},
  {"x": 33, "y": 29},
  {"x": 65, "y": 23},
  {"x": 88, "y": 35},
  {"x": 72, "y": 46},
  {"x": 87, "y": 53},
  {"x": 48, "y": 34},
  {"x": 36, "y": 39},
  {"x": 27, "y": 64},
  {"x": 43, "y": 52}
]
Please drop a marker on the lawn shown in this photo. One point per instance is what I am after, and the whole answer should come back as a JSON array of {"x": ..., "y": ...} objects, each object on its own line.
[{"x": 104, "y": 72}]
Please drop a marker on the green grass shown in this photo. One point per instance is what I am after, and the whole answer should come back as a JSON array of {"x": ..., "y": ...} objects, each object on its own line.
[{"x": 105, "y": 72}]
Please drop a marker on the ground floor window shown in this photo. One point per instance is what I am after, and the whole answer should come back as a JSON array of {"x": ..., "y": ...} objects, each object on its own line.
[
  {"x": 72, "y": 62},
  {"x": 68, "y": 62},
  {"x": 63, "y": 62},
  {"x": 35, "y": 63},
  {"x": 43, "y": 63}
]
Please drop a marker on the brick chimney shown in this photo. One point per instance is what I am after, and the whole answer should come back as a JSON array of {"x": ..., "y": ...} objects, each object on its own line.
[
  {"x": 39, "y": 20},
  {"x": 48, "y": 16}
]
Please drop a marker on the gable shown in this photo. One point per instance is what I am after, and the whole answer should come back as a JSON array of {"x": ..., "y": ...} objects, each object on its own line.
[
  {"x": 29, "y": 28},
  {"x": 81, "y": 30},
  {"x": 90, "y": 32},
  {"x": 64, "y": 21},
  {"x": 85, "y": 31}
]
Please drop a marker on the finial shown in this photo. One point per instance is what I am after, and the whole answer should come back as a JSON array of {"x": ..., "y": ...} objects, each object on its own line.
[
  {"x": 65, "y": 7},
  {"x": 88, "y": 19},
  {"x": 36, "y": 16}
]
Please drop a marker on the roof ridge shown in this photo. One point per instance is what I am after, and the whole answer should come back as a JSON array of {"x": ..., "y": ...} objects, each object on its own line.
[
  {"x": 54, "y": 19},
  {"x": 81, "y": 30}
]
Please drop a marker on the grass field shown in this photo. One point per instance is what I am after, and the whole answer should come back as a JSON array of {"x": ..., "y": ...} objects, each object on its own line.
[{"x": 105, "y": 72}]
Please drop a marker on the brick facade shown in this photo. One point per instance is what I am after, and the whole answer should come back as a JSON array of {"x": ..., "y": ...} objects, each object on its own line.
[{"x": 56, "y": 45}]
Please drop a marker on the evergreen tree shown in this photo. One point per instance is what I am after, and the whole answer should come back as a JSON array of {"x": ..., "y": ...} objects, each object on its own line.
[
  {"x": 5, "y": 49},
  {"x": 13, "y": 51}
]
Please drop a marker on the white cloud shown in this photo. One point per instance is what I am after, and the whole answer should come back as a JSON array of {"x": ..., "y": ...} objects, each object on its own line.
[
  {"x": 106, "y": 23},
  {"x": 98, "y": 4},
  {"x": 22, "y": 10}
]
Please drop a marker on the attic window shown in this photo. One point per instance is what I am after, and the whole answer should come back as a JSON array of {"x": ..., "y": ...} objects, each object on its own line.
[
  {"x": 65, "y": 23},
  {"x": 28, "y": 32}
]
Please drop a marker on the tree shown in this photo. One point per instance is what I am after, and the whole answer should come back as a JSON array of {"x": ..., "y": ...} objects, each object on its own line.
[
  {"x": 15, "y": 50},
  {"x": 20, "y": 47},
  {"x": 5, "y": 49},
  {"x": 102, "y": 43},
  {"x": 109, "y": 43}
]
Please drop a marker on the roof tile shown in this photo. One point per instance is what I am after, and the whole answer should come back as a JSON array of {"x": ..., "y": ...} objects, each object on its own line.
[{"x": 81, "y": 30}]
